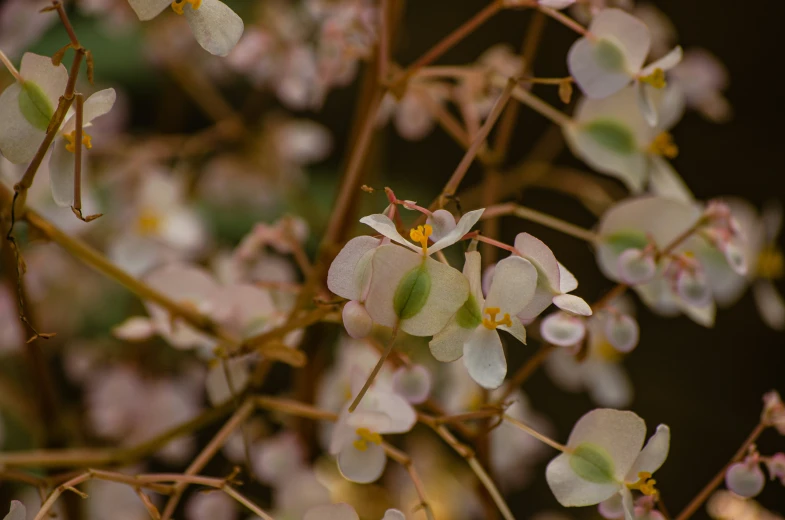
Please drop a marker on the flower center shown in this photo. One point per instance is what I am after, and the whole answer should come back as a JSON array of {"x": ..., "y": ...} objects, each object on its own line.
[
  {"x": 366, "y": 437},
  {"x": 656, "y": 79},
  {"x": 87, "y": 141},
  {"x": 420, "y": 235},
  {"x": 663, "y": 145},
  {"x": 771, "y": 264},
  {"x": 148, "y": 223},
  {"x": 178, "y": 5},
  {"x": 645, "y": 484},
  {"x": 491, "y": 323}
]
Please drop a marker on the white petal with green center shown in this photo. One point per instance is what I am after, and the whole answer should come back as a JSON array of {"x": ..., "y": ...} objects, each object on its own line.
[
  {"x": 599, "y": 67},
  {"x": 631, "y": 35},
  {"x": 447, "y": 345},
  {"x": 619, "y": 433},
  {"x": 448, "y": 292},
  {"x": 49, "y": 78},
  {"x": 96, "y": 105},
  {"x": 572, "y": 304},
  {"x": 461, "y": 228},
  {"x": 19, "y": 140},
  {"x": 636, "y": 267},
  {"x": 513, "y": 286},
  {"x": 332, "y": 512},
  {"x": 653, "y": 455},
  {"x": 347, "y": 272},
  {"x": 483, "y": 355},
  {"x": 149, "y": 9},
  {"x": 386, "y": 227},
  {"x": 362, "y": 466},
  {"x": 215, "y": 26},
  {"x": 61, "y": 173},
  {"x": 573, "y": 491}
]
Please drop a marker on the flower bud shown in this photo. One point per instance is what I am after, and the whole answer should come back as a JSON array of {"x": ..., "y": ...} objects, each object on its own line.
[
  {"x": 773, "y": 411},
  {"x": 562, "y": 329},
  {"x": 442, "y": 223},
  {"x": 776, "y": 466},
  {"x": 636, "y": 267},
  {"x": 622, "y": 332},
  {"x": 746, "y": 479},
  {"x": 413, "y": 383},
  {"x": 693, "y": 287},
  {"x": 356, "y": 320}
]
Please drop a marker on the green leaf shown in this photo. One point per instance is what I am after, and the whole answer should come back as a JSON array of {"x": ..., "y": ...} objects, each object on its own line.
[
  {"x": 592, "y": 463},
  {"x": 624, "y": 240},
  {"x": 609, "y": 56},
  {"x": 412, "y": 293},
  {"x": 35, "y": 106},
  {"x": 612, "y": 135},
  {"x": 469, "y": 316}
]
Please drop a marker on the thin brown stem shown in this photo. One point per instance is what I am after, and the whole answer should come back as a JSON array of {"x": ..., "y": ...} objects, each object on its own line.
[
  {"x": 404, "y": 460},
  {"x": 537, "y": 435},
  {"x": 704, "y": 493},
  {"x": 375, "y": 371},
  {"x": 540, "y": 218}
]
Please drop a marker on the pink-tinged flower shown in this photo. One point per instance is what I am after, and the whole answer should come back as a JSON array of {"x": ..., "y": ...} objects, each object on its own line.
[
  {"x": 412, "y": 114},
  {"x": 612, "y": 55},
  {"x": 554, "y": 281},
  {"x": 605, "y": 456},
  {"x": 746, "y": 478},
  {"x": 562, "y": 329},
  {"x": 702, "y": 78},
  {"x": 345, "y": 512},
  {"x": 22, "y": 23},
  {"x": 773, "y": 411},
  {"x": 472, "y": 331},
  {"x": 17, "y": 511},
  {"x": 612, "y": 137},
  {"x": 681, "y": 283},
  {"x": 776, "y": 466},
  {"x": 726, "y": 505},
  {"x": 296, "y": 493},
  {"x": 214, "y": 25},
  {"x": 357, "y": 436},
  {"x": 211, "y": 506}
]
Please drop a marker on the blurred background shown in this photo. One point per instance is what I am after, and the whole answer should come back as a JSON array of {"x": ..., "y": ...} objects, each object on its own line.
[{"x": 705, "y": 383}]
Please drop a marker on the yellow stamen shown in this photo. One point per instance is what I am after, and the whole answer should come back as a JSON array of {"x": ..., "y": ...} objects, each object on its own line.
[
  {"x": 771, "y": 264},
  {"x": 148, "y": 223},
  {"x": 87, "y": 141},
  {"x": 645, "y": 484},
  {"x": 656, "y": 79},
  {"x": 366, "y": 437},
  {"x": 604, "y": 350},
  {"x": 420, "y": 235},
  {"x": 178, "y": 5},
  {"x": 663, "y": 145},
  {"x": 491, "y": 323}
]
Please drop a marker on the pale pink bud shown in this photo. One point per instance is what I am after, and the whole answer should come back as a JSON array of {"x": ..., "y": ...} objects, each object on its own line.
[
  {"x": 413, "y": 383},
  {"x": 773, "y": 411},
  {"x": 636, "y": 267},
  {"x": 693, "y": 287},
  {"x": 356, "y": 319},
  {"x": 622, "y": 332},
  {"x": 562, "y": 329},
  {"x": 746, "y": 479}
]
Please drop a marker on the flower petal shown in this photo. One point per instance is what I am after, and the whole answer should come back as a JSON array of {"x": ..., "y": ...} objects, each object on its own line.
[
  {"x": 396, "y": 407},
  {"x": 770, "y": 304},
  {"x": 517, "y": 330},
  {"x": 362, "y": 466},
  {"x": 541, "y": 256},
  {"x": 393, "y": 514},
  {"x": 345, "y": 277},
  {"x": 148, "y": 9},
  {"x": 413, "y": 383},
  {"x": 215, "y": 26},
  {"x": 96, "y": 105},
  {"x": 627, "y": 504},
  {"x": 513, "y": 286},
  {"x": 665, "y": 182},
  {"x": 61, "y": 173},
  {"x": 653, "y": 454},
  {"x": 572, "y": 304},
  {"x": 483, "y": 355},
  {"x": 543, "y": 297},
  {"x": 447, "y": 345},
  {"x": 19, "y": 140},
  {"x": 17, "y": 511},
  {"x": 135, "y": 328},
  {"x": 567, "y": 280},
  {"x": 332, "y": 512},
  {"x": 461, "y": 228},
  {"x": 619, "y": 433},
  {"x": 562, "y": 330},
  {"x": 646, "y": 103},
  {"x": 442, "y": 222},
  {"x": 631, "y": 34},
  {"x": 472, "y": 269},
  {"x": 622, "y": 332},
  {"x": 665, "y": 63},
  {"x": 598, "y": 67},
  {"x": 386, "y": 227},
  {"x": 570, "y": 489},
  {"x": 49, "y": 78}
]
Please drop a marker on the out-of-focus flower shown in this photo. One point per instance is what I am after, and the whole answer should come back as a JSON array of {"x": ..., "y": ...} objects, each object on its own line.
[
  {"x": 113, "y": 500},
  {"x": 345, "y": 512},
  {"x": 214, "y": 25},
  {"x": 612, "y": 55},
  {"x": 211, "y": 505},
  {"x": 702, "y": 78},
  {"x": 612, "y": 137},
  {"x": 472, "y": 332},
  {"x": 16, "y": 512},
  {"x": 562, "y": 329},
  {"x": 22, "y": 23},
  {"x": 413, "y": 113},
  {"x": 773, "y": 411},
  {"x": 776, "y": 466},
  {"x": 725, "y": 505},
  {"x": 746, "y": 478},
  {"x": 607, "y": 457},
  {"x": 357, "y": 436}
]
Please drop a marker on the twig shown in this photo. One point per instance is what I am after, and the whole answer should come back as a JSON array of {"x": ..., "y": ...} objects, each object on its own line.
[
  {"x": 375, "y": 371},
  {"x": 406, "y": 461},
  {"x": 540, "y": 218},
  {"x": 534, "y": 433}
]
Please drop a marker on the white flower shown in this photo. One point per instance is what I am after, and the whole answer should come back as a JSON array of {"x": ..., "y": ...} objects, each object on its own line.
[
  {"x": 612, "y": 137},
  {"x": 17, "y": 511},
  {"x": 554, "y": 281},
  {"x": 345, "y": 512},
  {"x": 605, "y": 456},
  {"x": 215, "y": 26},
  {"x": 472, "y": 332},
  {"x": 357, "y": 436},
  {"x": 612, "y": 55}
]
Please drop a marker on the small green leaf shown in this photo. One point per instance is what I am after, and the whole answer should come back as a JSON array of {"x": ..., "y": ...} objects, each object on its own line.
[
  {"x": 592, "y": 463},
  {"x": 624, "y": 240},
  {"x": 609, "y": 56},
  {"x": 469, "y": 316},
  {"x": 612, "y": 135},
  {"x": 35, "y": 106},
  {"x": 412, "y": 293}
]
